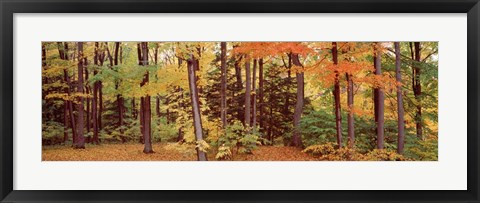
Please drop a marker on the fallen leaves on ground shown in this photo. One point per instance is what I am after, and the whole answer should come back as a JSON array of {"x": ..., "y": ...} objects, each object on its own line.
[{"x": 163, "y": 152}]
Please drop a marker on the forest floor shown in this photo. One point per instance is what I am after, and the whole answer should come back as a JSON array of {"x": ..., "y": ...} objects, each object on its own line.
[{"x": 163, "y": 152}]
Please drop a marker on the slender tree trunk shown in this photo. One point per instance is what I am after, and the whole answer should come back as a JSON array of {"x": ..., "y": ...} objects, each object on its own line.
[
  {"x": 65, "y": 121},
  {"x": 248, "y": 85},
  {"x": 270, "y": 121},
  {"x": 167, "y": 101},
  {"x": 70, "y": 106},
  {"x": 260, "y": 92},
  {"x": 134, "y": 109},
  {"x": 155, "y": 54},
  {"x": 375, "y": 90},
  {"x": 80, "y": 141},
  {"x": 223, "y": 94},
  {"x": 94, "y": 113},
  {"x": 100, "y": 105},
  {"x": 197, "y": 121},
  {"x": 157, "y": 106},
  {"x": 297, "y": 136},
  {"x": 380, "y": 123},
  {"x": 67, "y": 106},
  {"x": 182, "y": 106},
  {"x": 400, "y": 111},
  {"x": 418, "y": 91},
  {"x": 157, "y": 98},
  {"x": 121, "y": 55},
  {"x": 65, "y": 102},
  {"x": 254, "y": 89},
  {"x": 96, "y": 58},
  {"x": 100, "y": 94},
  {"x": 87, "y": 89},
  {"x": 140, "y": 62},
  {"x": 117, "y": 48},
  {"x": 336, "y": 95},
  {"x": 142, "y": 120},
  {"x": 286, "y": 106},
  {"x": 120, "y": 105},
  {"x": 146, "y": 105},
  {"x": 239, "y": 86},
  {"x": 351, "y": 121}
]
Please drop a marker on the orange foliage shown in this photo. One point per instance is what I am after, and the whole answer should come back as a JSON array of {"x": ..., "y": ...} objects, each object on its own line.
[{"x": 264, "y": 49}]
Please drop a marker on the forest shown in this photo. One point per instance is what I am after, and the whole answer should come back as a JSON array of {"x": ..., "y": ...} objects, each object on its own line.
[{"x": 239, "y": 101}]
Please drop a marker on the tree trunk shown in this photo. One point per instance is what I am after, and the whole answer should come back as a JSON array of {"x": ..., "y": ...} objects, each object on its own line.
[
  {"x": 223, "y": 94},
  {"x": 400, "y": 111},
  {"x": 197, "y": 121},
  {"x": 117, "y": 47},
  {"x": 80, "y": 140},
  {"x": 375, "y": 90},
  {"x": 260, "y": 92},
  {"x": 95, "y": 97},
  {"x": 254, "y": 89},
  {"x": 157, "y": 106},
  {"x": 146, "y": 105},
  {"x": 157, "y": 98},
  {"x": 65, "y": 121},
  {"x": 248, "y": 85},
  {"x": 418, "y": 92},
  {"x": 142, "y": 120},
  {"x": 100, "y": 105},
  {"x": 65, "y": 102},
  {"x": 68, "y": 106},
  {"x": 87, "y": 89},
  {"x": 134, "y": 109},
  {"x": 297, "y": 136},
  {"x": 336, "y": 95},
  {"x": 100, "y": 94},
  {"x": 120, "y": 105},
  {"x": 286, "y": 106},
  {"x": 239, "y": 87},
  {"x": 182, "y": 106},
  {"x": 351, "y": 121},
  {"x": 380, "y": 122}
]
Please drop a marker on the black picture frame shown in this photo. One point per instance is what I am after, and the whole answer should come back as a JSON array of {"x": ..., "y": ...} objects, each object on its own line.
[{"x": 10, "y": 7}]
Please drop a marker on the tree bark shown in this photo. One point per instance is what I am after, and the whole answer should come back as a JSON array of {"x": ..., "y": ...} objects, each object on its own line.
[
  {"x": 254, "y": 89},
  {"x": 68, "y": 106},
  {"x": 157, "y": 98},
  {"x": 418, "y": 91},
  {"x": 248, "y": 86},
  {"x": 297, "y": 137},
  {"x": 350, "y": 119},
  {"x": 380, "y": 122},
  {"x": 223, "y": 94},
  {"x": 260, "y": 92},
  {"x": 239, "y": 87},
  {"x": 134, "y": 109},
  {"x": 80, "y": 140},
  {"x": 400, "y": 110},
  {"x": 100, "y": 93},
  {"x": 87, "y": 90},
  {"x": 197, "y": 121},
  {"x": 96, "y": 58},
  {"x": 336, "y": 95},
  {"x": 375, "y": 90},
  {"x": 120, "y": 105},
  {"x": 146, "y": 105},
  {"x": 286, "y": 106}
]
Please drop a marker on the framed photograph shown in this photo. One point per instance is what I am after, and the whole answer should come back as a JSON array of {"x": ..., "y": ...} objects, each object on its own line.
[{"x": 239, "y": 101}]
